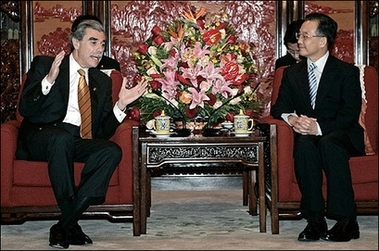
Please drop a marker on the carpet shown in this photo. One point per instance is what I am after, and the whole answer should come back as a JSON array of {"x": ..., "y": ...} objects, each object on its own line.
[{"x": 190, "y": 220}]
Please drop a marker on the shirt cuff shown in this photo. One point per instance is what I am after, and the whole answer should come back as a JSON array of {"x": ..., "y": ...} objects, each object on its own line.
[
  {"x": 286, "y": 115},
  {"x": 319, "y": 132},
  {"x": 46, "y": 86},
  {"x": 120, "y": 114}
]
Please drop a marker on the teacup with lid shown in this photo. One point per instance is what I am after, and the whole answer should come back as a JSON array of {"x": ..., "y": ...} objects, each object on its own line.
[
  {"x": 161, "y": 124},
  {"x": 241, "y": 123}
]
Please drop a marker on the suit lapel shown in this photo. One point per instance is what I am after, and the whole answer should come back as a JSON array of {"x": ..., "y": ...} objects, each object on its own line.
[
  {"x": 63, "y": 79},
  {"x": 303, "y": 83},
  {"x": 326, "y": 81}
]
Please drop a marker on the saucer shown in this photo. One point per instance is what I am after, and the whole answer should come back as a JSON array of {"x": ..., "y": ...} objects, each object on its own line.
[
  {"x": 244, "y": 134},
  {"x": 161, "y": 135}
]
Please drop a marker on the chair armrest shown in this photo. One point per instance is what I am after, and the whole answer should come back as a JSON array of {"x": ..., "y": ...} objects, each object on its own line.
[
  {"x": 285, "y": 161},
  {"x": 9, "y": 134},
  {"x": 123, "y": 134},
  {"x": 123, "y": 137}
]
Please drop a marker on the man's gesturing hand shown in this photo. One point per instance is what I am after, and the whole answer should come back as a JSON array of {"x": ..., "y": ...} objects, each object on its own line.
[{"x": 54, "y": 70}]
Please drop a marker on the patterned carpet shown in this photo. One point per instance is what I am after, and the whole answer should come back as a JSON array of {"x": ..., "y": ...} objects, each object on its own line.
[
  {"x": 201, "y": 220},
  {"x": 190, "y": 220}
]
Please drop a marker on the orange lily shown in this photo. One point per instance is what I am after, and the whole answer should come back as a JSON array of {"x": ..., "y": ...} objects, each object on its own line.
[
  {"x": 191, "y": 17},
  {"x": 180, "y": 32}
]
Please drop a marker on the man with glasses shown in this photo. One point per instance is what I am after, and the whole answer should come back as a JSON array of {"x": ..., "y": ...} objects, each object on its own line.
[
  {"x": 290, "y": 42},
  {"x": 320, "y": 98}
]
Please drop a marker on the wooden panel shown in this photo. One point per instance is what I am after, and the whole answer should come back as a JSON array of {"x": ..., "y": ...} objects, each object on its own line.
[
  {"x": 52, "y": 24},
  {"x": 343, "y": 13}
]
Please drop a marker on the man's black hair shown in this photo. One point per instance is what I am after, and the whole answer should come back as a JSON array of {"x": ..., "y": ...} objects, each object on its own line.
[{"x": 292, "y": 28}]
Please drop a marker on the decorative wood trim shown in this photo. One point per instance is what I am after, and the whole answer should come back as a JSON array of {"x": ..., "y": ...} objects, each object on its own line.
[
  {"x": 281, "y": 26},
  {"x": 89, "y": 7},
  {"x": 103, "y": 12},
  {"x": 26, "y": 9},
  {"x": 361, "y": 32}
]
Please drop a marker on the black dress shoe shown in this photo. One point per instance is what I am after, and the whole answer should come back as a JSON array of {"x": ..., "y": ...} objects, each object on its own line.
[
  {"x": 58, "y": 236},
  {"x": 344, "y": 230},
  {"x": 76, "y": 236},
  {"x": 315, "y": 229}
]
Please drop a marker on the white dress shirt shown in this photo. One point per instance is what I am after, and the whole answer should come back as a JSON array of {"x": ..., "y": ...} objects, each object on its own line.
[{"x": 73, "y": 113}]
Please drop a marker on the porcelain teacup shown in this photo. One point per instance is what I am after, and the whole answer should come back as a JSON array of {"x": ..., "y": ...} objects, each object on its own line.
[
  {"x": 161, "y": 124},
  {"x": 241, "y": 123}
]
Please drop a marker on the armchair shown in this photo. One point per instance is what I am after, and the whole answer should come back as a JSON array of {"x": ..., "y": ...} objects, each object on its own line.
[
  {"x": 282, "y": 193},
  {"x": 26, "y": 193}
]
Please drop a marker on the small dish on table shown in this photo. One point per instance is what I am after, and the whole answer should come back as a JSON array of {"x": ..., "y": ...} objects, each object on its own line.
[
  {"x": 242, "y": 134},
  {"x": 161, "y": 135},
  {"x": 227, "y": 125}
]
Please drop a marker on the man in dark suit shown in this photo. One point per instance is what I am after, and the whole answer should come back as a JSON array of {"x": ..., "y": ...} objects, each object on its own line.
[
  {"x": 290, "y": 41},
  {"x": 327, "y": 132},
  {"x": 51, "y": 128},
  {"x": 106, "y": 63}
]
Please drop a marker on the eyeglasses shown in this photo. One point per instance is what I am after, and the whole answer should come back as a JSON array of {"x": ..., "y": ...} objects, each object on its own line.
[{"x": 305, "y": 35}]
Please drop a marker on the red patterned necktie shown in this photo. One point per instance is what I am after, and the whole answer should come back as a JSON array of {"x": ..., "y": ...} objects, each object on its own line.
[{"x": 84, "y": 99}]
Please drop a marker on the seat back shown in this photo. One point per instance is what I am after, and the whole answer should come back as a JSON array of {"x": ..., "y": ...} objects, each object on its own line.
[
  {"x": 276, "y": 84},
  {"x": 371, "y": 116},
  {"x": 19, "y": 117},
  {"x": 116, "y": 84}
]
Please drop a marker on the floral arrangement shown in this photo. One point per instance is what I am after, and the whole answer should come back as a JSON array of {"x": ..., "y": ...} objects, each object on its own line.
[{"x": 196, "y": 68}]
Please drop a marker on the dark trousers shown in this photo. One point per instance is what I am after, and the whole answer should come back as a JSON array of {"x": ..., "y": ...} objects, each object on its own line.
[
  {"x": 61, "y": 146},
  {"x": 331, "y": 154}
]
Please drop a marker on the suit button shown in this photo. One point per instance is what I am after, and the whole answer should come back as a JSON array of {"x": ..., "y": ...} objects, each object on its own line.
[{"x": 40, "y": 128}]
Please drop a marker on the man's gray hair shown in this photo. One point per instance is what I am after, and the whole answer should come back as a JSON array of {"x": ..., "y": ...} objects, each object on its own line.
[{"x": 82, "y": 26}]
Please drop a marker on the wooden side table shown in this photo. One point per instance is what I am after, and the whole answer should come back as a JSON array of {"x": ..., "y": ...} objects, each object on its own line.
[{"x": 150, "y": 153}]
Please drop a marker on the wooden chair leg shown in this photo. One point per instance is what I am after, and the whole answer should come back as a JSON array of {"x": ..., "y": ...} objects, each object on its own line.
[
  {"x": 148, "y": 195},
  {"x": 245, "y": 188},
  {"x": 252, "y": 195},
  {"x": 274, "y": 212}
]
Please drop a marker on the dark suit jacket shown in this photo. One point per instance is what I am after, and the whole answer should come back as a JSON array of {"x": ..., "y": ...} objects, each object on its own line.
[
  {"x": 108, "y": 63},
  {"x": 41, "y": 110},
  {"x": 338, "y": 100},
  {"x": 284, "y": 61}
]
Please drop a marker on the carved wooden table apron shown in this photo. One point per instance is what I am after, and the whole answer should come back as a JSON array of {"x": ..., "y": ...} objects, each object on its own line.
[{"x": 150, "y": 153}]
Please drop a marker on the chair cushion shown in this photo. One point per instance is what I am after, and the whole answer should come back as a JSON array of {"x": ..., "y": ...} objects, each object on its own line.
[{"x": 364, "y": 169}]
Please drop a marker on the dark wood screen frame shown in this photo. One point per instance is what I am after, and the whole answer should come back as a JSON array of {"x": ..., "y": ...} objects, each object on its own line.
[{"x": 286, "y": 11}]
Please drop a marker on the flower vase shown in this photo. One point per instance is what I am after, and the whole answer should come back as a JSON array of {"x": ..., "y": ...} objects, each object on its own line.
[
  {"x": 181, "y": 128},
  {"x": 197, "y": 125}
]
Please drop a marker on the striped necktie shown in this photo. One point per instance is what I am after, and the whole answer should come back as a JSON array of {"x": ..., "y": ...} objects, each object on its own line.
[
  {"x": 312, "y": 83},
  {"x": 84, "y": 99}
]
